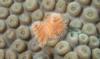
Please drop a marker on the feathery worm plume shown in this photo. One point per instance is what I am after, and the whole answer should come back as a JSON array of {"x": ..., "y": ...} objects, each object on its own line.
[{"x": 53, "y": 26}]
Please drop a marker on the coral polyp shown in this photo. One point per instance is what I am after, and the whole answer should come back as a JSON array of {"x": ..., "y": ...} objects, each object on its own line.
[{"x": 51, "y": 27}]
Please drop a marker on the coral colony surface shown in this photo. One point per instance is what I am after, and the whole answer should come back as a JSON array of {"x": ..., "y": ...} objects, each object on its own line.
[{"x": 49, "y": 29}]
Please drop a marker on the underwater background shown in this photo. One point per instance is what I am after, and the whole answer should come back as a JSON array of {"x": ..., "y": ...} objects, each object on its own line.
[{"x": 49, "y": 29}]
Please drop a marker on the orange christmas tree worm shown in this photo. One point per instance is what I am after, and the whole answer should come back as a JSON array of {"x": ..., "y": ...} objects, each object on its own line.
[{"x": 53, "y": 26}]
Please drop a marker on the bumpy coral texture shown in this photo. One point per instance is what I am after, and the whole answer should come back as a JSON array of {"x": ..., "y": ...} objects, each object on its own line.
[{"x": 52, "y": 27}]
